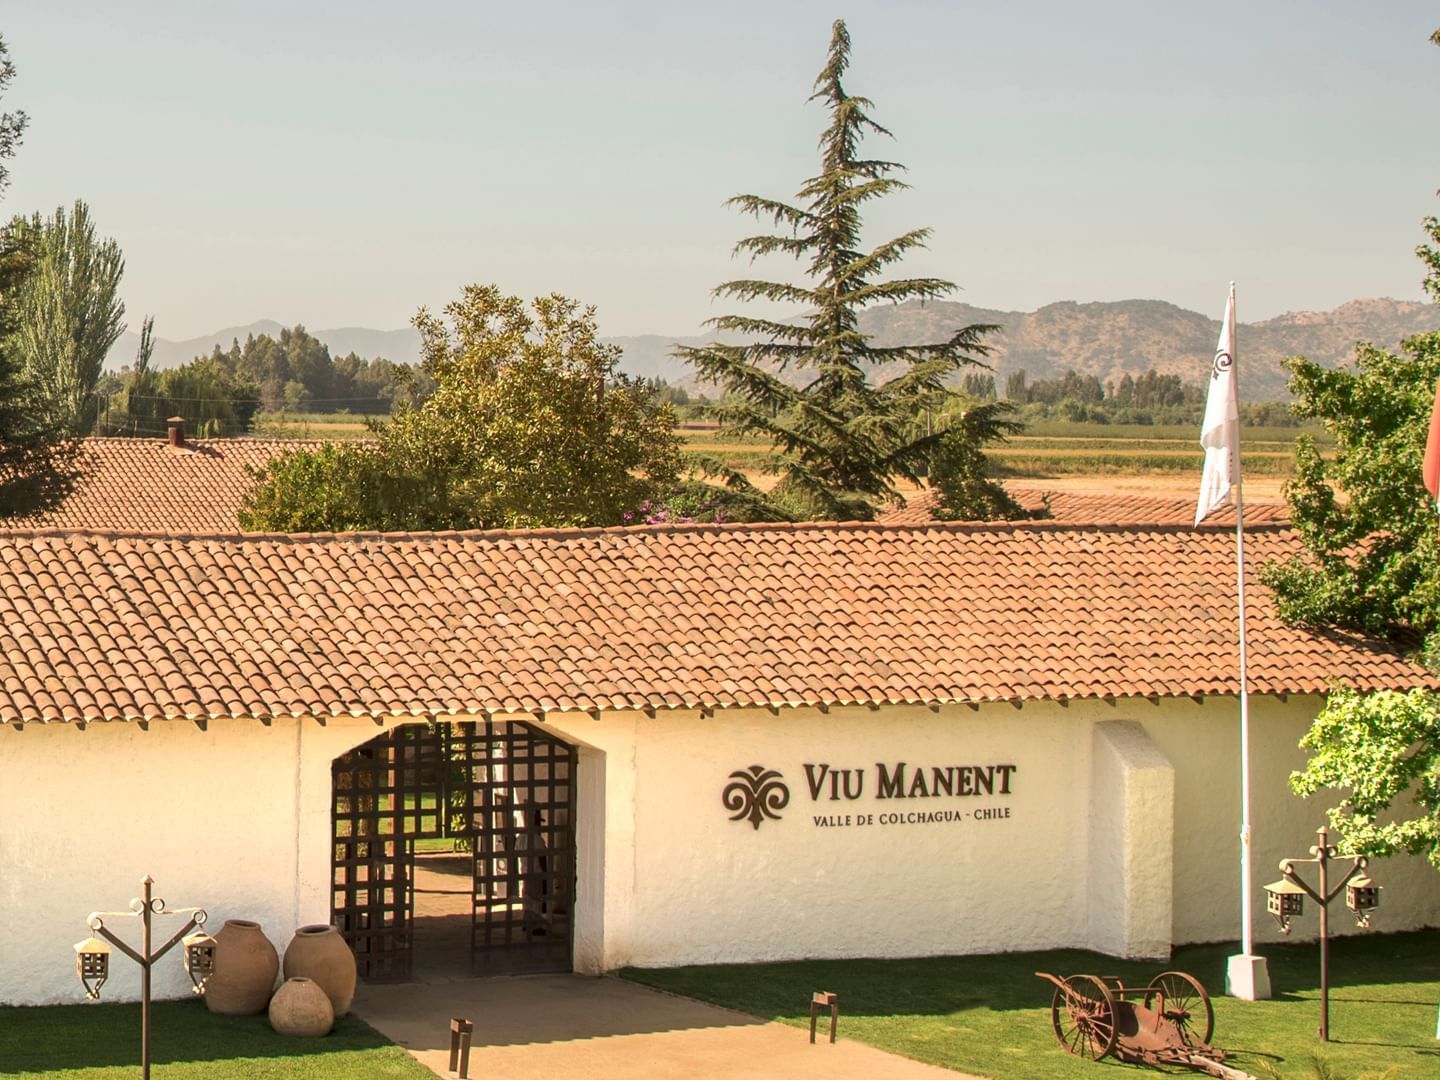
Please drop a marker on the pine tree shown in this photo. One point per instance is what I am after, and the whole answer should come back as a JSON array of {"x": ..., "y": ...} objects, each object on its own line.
[{"x": 841, "y": 440}]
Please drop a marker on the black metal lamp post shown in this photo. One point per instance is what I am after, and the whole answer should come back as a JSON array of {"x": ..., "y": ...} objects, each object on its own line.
[
  {"x": 1285, "y": 900},
  {"x": 92, "y": 956}
]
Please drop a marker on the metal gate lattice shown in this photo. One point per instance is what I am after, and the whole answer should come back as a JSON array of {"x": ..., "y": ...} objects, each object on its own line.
[
  {"x": 506, "y": 788},
  {"x": 524, "y": 866}
]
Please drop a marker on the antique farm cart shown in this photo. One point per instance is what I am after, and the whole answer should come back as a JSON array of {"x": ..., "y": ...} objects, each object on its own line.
[{"x": 1168, "y": 1022}]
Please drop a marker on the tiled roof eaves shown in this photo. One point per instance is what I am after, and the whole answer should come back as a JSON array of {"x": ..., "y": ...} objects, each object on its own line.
[
  {"x": 648, "y": 704},
  {"x": 98, "y": 626}
]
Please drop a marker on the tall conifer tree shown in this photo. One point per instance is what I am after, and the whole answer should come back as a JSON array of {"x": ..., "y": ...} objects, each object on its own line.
[{"x": 841, "y": 440}]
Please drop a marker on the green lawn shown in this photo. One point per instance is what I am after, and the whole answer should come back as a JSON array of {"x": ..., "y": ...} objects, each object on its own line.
[
  {"x": 990, "y": 1015},
  {"x": 102, "y": 1042}
]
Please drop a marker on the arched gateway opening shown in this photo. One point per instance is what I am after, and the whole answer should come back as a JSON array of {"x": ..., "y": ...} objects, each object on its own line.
[{"x": 454, "y": 848}]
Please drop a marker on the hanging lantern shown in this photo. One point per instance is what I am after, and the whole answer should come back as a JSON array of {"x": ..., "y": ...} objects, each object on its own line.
[
  {"x": 199, "y": 959},
  {"x": 92, "y": 964},
  {"x": 1285, "y": 900},
  {"x": 1362, "y": 896}
]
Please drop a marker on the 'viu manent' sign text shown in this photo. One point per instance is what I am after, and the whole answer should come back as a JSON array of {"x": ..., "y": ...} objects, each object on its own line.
[{"x": 758, "y": 793}]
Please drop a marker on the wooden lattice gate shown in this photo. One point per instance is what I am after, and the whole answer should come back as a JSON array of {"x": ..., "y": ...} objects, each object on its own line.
[{"x": 506, "y": 788}]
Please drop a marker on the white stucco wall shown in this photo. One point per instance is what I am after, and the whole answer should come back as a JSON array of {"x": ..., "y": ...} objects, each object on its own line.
[
  {"x": 1123, "y": 834},
  {"x": 235, "y": 819},
  {"x": 1204, "y": 742},
  {"x": 684, "y": 884},
  {"x": 1132, "y": 786}
]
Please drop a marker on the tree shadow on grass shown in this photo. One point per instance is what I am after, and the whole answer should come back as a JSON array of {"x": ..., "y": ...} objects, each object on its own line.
[
  {"x": 943, "y": 984},
  {"x": 53, "y": 1038},
  {"x": 945, "y": 999}
]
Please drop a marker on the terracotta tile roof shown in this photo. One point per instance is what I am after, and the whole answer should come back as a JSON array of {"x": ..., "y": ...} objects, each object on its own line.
[
  {"x": 100, "y": 627},
  {"x": 145, "y": 484},
  {"x": 1086, "y": 508}
]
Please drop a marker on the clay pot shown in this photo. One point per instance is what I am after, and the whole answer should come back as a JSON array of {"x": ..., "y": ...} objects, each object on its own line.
[
  {"x": 245, "y": 970},
  {"x": 300, "y": 1008},
  {"x": 320, "y": 954}
]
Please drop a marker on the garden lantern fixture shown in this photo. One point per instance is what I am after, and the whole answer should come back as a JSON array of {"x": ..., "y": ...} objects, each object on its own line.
[
  {"x": 1362, "y": 896},
  {"x": 199, "y": 959},
  {"x": 92, "y": 956},
  {"x": 1286, "y": 900},
  {"x": 92, "y": 964}
]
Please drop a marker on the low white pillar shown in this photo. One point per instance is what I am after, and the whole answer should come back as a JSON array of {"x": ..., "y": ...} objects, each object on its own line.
[
  {"x": 1131, "y": 843},
  {"x": 589, "y": 949}
]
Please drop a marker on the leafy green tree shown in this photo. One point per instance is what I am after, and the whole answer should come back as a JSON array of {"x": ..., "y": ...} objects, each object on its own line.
[
  {"x": 296, "y": 371},
  {"x": 1015, "y": 387},
  {"x": 1370, "y": 539},
  {"x": 338, "y": 487},
  {"x": 37, "y": 465},
  {"x": 212, "y": 398},
  {"x": 297, "y": 398},
  {"x": 1376, "y": 748},
  {"x": 530, "y": 424},
  {"x": 979, "y": 387},
  {"x": 1371, "y": 562},
  {"x": 126, "y": 398},
  {"x": 69, "y": 313},
  {"x": 841, "y": 441},
  {"x": 958, "y": 467}
]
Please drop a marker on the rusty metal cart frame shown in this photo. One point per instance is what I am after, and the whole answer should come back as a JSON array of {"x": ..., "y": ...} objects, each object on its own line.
[{"x": 1167, "y": 1022}]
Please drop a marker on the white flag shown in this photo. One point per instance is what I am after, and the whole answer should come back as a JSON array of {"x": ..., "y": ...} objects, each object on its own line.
[{"x": 1220, "y": 433}]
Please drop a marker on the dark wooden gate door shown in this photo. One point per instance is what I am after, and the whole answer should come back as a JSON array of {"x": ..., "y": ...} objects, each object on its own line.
[
  {"x": 507, "y": 788},
  {"x": 524, "y": 845}
]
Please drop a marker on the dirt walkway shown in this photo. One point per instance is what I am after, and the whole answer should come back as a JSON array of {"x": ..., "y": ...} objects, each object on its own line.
[{"x": 583, "y": 1028}]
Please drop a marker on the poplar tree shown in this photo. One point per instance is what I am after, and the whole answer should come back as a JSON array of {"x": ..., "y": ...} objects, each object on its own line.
[
  {"x": 36, "y": 466},
  {"x": 841, "y": 441},
  {"x": 68, "y": 313}
]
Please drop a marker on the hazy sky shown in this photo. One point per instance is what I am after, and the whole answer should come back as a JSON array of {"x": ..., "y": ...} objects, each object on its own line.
[{"x": 286, "y": 161}]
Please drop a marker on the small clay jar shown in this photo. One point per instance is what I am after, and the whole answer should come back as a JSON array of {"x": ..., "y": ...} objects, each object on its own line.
[
  {"x": 301, "y": 1009},
  {"x": 245, "y": 968},
  {"x": 320, "y": 954}
]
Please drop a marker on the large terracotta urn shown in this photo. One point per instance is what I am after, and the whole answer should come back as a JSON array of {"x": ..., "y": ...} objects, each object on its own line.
[
  {"x": 302, "y": 1009},
  {"x": 245, "y": 970},
  {"x": 320, "y": 954}
]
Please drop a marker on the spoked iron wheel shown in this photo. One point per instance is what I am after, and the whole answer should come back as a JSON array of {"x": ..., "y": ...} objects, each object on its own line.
[
  {"x": 1186, "y": 1005},
  {"x": 1083, "y": 1014}
]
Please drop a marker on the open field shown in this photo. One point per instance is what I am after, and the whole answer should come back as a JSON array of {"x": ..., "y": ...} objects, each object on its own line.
[
  {"x": 990, "y": 1015},
  {"x": 188, "y": 1042},
  {"x": 1084, "y": 452},
  {"x": 288, "y": 425}
]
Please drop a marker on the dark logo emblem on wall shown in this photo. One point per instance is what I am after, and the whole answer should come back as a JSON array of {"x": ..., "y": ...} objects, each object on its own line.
[{"x": 754, "y": 794}]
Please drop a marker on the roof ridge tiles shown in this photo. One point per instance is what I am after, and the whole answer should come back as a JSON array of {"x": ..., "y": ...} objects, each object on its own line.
[{"x": 1038, "y": 525}]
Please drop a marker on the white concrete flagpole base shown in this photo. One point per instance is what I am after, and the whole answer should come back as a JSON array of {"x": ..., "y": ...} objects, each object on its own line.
[{"x": 1247, "y": 977}]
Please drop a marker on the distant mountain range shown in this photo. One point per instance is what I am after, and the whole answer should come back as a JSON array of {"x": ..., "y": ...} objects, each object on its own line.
[{"x": 1106, "y": 340}]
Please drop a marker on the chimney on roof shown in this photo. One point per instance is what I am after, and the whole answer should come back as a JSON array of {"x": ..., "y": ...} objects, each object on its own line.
[{"x": 177, "y": 431}]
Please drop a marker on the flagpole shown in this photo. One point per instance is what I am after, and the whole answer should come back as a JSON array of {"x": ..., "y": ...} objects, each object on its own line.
[
  {"x": 1246, "y": 975},
  {"x": 1246, "y": 868}
]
